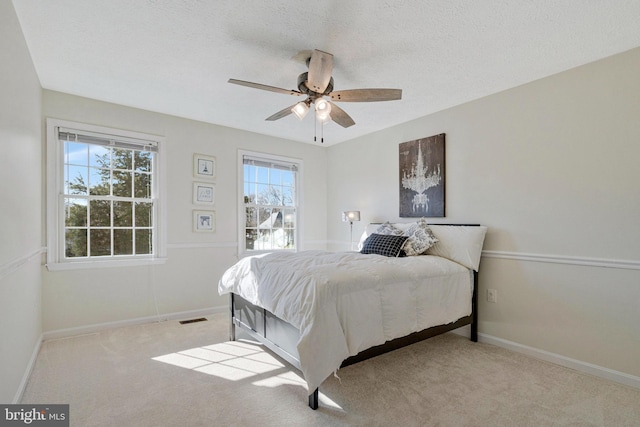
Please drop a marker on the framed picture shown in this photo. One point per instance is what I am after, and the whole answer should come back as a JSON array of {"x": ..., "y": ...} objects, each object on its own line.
[
  {"x": 422, "y": 177},
  {"x": 204, "y": 221},
  {"x": 204, "y": 166},
  {"x": 204, "y": 193}
]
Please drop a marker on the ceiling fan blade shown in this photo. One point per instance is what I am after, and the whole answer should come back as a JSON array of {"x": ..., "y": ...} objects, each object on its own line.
[
  {"x": 265, "y": 87},
  {"x": 366, "y": 95},
  {"x": 320, "y": 69},
  {"x": 339, "y": 116},
  {"x": 280, "y": 114}
]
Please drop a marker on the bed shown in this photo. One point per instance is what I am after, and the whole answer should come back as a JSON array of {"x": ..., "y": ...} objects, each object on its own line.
[{"x": 321, "y": 311}]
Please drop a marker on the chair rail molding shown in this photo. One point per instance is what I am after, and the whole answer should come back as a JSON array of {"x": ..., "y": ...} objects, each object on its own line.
[
  {"x": 563, "y": 259},
  {"x": 15, "y": 264}
]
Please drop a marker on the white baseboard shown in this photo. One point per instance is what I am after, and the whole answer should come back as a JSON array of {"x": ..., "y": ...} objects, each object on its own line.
[
  {"x": 567, "y": 362},
  {"x": 97, "y": 327},
  {"x": 27, "y": 373}
]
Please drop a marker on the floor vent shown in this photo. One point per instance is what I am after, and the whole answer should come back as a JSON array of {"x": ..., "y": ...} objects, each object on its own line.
[{"x": 184, "y": 322}]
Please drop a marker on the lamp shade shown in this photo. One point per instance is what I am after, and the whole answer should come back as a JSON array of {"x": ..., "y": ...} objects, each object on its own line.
[
  {"x": 323, "y": 110},
  {"x": 300, "y": 110},
  {"x": 351, "y": 216}
]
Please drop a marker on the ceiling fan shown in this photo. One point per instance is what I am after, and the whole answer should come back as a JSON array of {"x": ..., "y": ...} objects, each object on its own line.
[{"x": 318, "y": 83}]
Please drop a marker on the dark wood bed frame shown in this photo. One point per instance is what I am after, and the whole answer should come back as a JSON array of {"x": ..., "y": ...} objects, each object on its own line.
[{"x": 281, "y": 337}]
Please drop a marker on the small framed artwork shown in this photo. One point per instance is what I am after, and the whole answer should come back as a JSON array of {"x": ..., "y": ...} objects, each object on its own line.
[
  {"x": 204, "y": 166},
  {"x": 204, "y": 221},
  {"x": 204, "y": 193}
]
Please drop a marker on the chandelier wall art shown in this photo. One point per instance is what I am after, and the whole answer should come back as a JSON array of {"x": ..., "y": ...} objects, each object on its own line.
[{"x": 422, "y": 177}]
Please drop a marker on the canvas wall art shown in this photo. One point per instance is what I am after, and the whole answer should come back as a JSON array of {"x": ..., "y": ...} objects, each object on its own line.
[{"x": 422, "y": 177}]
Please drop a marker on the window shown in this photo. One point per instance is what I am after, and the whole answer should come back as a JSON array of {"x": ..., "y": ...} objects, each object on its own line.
[
  {"x": 103, "y": 203},
  {"x": 270, "y": 203}
]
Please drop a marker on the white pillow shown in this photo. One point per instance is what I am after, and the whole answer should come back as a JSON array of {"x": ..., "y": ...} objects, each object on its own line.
[{"x": 459, "y": 243}]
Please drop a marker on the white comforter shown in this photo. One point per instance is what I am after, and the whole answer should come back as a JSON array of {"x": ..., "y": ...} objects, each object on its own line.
[{"x": 346, "y": 302}]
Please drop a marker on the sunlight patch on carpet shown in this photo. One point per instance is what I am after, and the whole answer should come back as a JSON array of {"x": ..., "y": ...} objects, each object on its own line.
[{"x": 234, "y": 361}]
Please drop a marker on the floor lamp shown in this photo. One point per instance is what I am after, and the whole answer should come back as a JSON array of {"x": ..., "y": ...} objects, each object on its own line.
[{"x": 351, "y": 216}]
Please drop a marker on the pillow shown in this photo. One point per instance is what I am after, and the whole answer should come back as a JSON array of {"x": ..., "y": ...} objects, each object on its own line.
[
  {"x": 383, "y": 244},
  {"x": 420, "y": 238},
  {"x": 462, "y": 244},
  {"x": 389, "y": 229}
]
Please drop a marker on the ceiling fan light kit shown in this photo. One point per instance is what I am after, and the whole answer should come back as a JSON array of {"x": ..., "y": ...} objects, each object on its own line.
[
  {"x": 300, "y": 110},
  {"x": 317, "y": 83},
  {"x": 323, "y": 110}
]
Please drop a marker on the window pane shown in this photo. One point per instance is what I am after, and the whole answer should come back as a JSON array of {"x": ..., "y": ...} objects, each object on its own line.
[
  {"x": 100, "y": 242},
  {"x": 275, "y": 195},
  {"x": 288, "y": 178},
  {"x": 99, "y": 182},
  {"x": 75, "y": 244},
  {"x": 143, "y": 161},
  {"x": 122, "y": 159},
  {"x": 276, "y": 218},
  {"x": 75, "y": 212},
  {"x": 276, "y": 176},
  {"x": 289, "y": 239},
  {"x": 251, "y": 235},
  {"x": 262, "y": 175},
  {"x": 143, "y": 242},
  {"x": 249, "y": 173},
  {"x": 144, "y": 214},
  {"x": 76, "y": 153},
  {"x": 263, "y": 194},
  {"x": 122, "y": 214},
  {"x": 287, "y": 196},
  {"x": 75, "y": 180},
  {"x": 249, "y": 192},
  {"x": 264, "y": 215},
  {"x": 122, "y": 184},
  {"x": 100, "y": 213},
  {"x": 123, "y": 242},
  {"x": 251, "y": 217},
  {"x": 263, "y": 242},
  {"x": 289, "y": 218},
  {"x": 99, "y": 156},
  {"x": 142, "y": 185}
]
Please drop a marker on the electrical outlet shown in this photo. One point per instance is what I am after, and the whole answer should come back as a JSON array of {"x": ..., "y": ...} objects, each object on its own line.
[{"x": 492, "y": 295}]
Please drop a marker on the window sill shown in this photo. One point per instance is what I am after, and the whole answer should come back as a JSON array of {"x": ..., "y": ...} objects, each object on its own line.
[{"x": 85, "y": 265}]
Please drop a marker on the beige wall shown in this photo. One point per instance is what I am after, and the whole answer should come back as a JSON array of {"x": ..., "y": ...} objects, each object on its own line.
[
  {"x": 551, "y": 168},
  {"x": 196, "y": 261},
  {"x": 21, "y": 213}
]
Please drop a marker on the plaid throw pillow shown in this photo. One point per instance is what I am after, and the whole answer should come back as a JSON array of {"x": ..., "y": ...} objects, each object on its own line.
[{"x": 381, "y": 244}]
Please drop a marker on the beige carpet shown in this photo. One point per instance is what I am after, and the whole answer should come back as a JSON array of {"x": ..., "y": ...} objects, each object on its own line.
[{"x": 167, "y": 374}]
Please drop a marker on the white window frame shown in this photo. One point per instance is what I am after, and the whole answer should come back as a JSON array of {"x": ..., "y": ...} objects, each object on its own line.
[
  {"x": 55, "y": 209},
  {"x": 242, "y": 250}
]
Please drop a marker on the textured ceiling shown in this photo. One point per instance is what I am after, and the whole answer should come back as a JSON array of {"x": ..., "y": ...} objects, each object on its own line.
[{"x": 175, "y": 56}]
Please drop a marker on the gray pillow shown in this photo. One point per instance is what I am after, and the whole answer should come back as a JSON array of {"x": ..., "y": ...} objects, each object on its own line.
[
  {"x": 389, "y": 229},
  {"x": 420, "y": 238}
]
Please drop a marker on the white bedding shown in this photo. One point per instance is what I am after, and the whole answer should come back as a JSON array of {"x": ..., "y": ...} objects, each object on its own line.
[{"x": 346, "y": 302}]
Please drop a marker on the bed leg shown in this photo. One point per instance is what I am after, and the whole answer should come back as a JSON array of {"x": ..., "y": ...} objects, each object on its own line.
[
  {"x": 474, "y": 309},
  {"x": 313, "y": 400},
  {"x": 232, "y": 325}
]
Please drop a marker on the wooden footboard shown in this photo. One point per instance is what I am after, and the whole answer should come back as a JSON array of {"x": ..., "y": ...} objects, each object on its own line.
[{"x": 281, "y": 337}]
